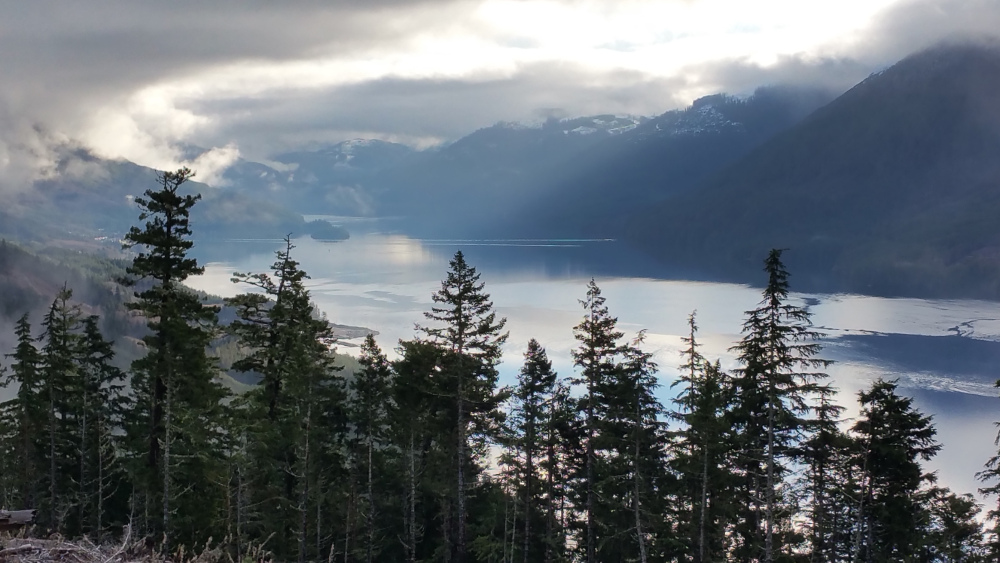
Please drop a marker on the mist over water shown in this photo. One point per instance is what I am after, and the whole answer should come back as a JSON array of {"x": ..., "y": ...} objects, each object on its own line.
[{"x": 945, "y": 353}]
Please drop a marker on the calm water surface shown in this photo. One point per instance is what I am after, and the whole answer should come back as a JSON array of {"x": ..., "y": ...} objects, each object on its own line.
[{"x": 945, "y": 353}]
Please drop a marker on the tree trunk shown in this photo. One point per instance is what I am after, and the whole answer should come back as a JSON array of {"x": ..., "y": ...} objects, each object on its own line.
[
  {"x": 590, "y": 475},
  {"x": 166, "y": 469},
  {"x": 769, "y": 515},
  {"x": 413, "y": 502},
  {"x": 637, "y": 478},
  {"x": 370, "y": 524},
  {"x": 550, "y": 485},
  {"x": 460, "y": 551},
  {"x": 52, "y": 455},
  {"x": 529, "y": 473},
  {"x": 304, "y": 487},
  {"x": 704, "y": 502}
]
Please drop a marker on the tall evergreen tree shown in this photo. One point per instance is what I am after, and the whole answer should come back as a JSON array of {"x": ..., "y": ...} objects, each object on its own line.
[
  {"x": 823, "y": 453},
  {"x": 896, "y": 438},
  {"x": 597, "y": 357},
  {"x": 421, "y": 401},
  {"x": 699, "y": 456},
  {"x": 561, "y": 439},
  {"x": 60, "y": 380},
  {"x": 640, "y": 457},
  {"x": 100, "y": 406},
  {"x": 371, "y": 413},
  {"x": 778, "y": 374},
  {"x": 528, "y": 416},
  {"x": 176, "y": 424},
  {"x": 295, "y": 420},
  {"x": 469, "y": 333},
  {"x": 23, "y": 419}
]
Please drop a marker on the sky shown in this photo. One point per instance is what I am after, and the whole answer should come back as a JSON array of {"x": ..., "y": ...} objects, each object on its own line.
[{"x": 141, "y": 80}]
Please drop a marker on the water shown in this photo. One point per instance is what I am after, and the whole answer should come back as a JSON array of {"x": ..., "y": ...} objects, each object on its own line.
[{"x": 944, "y": 352}]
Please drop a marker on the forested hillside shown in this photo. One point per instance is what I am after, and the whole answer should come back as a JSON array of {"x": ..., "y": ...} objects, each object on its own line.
[
  {"x": 87, "y": 199},
  {"x": 892, "y": 189},
  {"x": 427, "y": 458}
]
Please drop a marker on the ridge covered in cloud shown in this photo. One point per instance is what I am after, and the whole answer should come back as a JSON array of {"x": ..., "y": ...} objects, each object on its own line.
[{"x": 139, "y": 80}]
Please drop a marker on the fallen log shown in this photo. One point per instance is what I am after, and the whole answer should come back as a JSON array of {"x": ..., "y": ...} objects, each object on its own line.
[{"x": 14, "y": 519}]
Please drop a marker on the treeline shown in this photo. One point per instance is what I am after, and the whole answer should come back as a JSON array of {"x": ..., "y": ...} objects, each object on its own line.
[{"x": 428, "y": 458}]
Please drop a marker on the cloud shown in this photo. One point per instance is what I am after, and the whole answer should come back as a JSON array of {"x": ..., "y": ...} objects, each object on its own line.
[
  {"x": 255, "y": 78},
  {"x": 428, "y": 110}
]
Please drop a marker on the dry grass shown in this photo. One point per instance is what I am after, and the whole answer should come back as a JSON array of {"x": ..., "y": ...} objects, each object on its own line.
[{"x": 129, "y": 550}]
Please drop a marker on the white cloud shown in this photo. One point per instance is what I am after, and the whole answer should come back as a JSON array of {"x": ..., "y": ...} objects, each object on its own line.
[{"x": 136, "y": 81}]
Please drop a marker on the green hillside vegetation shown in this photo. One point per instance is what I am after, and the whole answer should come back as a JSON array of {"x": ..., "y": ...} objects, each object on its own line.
[{"x": 892, "y": 189}]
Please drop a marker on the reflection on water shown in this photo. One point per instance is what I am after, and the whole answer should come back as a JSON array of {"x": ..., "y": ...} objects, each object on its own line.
[{"x": 945, "y": 353}]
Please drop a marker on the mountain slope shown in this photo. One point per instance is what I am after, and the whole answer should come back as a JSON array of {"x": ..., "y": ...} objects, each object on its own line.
[
  {"x": 662, "y": 157},
  {"x": 340, "y": 179},
  {"x": 86, "y": 198},
  {"x": 893, "y": 188},
  {"x": 483, "y": 176}
]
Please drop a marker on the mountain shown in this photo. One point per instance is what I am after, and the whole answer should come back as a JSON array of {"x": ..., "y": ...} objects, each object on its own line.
[
  {"x": 482, "y": 176},
  {"x": 86, "y": 198},
  {"x": 662, "y": 157},
  {"x": 563, "y": 177},
  {"x": 893, "y": 188},
  {"x": 334, "y": 180}
]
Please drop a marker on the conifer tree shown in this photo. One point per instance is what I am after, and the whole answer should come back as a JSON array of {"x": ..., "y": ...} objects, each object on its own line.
[
  {"x": 420, "y": 399},
  {"x": 896, "y": 438},
  {"x": 295, "y": 421},
  {"x": 823, "y": 453},
  {"x": 699, "y": 456},
  {"x": 176, "y": 424},
  {"x": 100, "y": 405},
  {"x": 60, "y": 381},
  {"x": 990, "y": 477},
  {"x": 641, "y": 456},
  {"x": 597, "y": 357},
  {"x": 468, "y": 332},
  {"x": 560, "y": 440},
  {"x": 528, "y": 417},
  {"x": 23, "y": 419},
  {"x": 371, "y": 412},
  {"x": 953, "y": 533},
  {"x": 778, "y": 358}
]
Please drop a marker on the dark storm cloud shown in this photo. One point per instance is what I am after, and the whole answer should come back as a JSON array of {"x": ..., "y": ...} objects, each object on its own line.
[{"x": 102, "y": 47}]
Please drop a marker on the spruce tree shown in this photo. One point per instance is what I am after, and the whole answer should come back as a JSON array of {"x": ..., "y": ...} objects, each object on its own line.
[
  {"x": 561, "y": 439},
  {"x": 823, "y": 453},
  {"x": 468, "y": 332},
  {"x": 295, "y": 420},
  {"x": 896, "y": 438},
  {"x": 23, "y": 419},
  {"x": 597, "y": 358},
  {"x": 953, "y": 533},
  {"x": 174, "y": 429},
  {"x": 528, "y": 417},
  {"x": 100, "y": 405},
  {"x": 371, "y": 413},
  {"x": 777, "y": 376},
  {"x": 418, "y": 427},
  {"x": 636, "y": 415},
  {"x": 60, "y": 382},
  {"x": 700, "y": 453}
]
